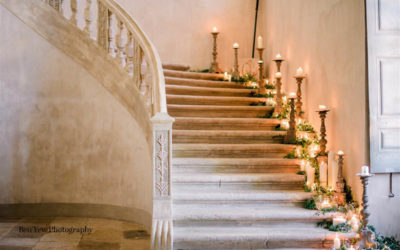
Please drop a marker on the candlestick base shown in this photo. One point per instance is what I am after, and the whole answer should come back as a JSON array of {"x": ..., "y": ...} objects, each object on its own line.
[{"x": 367, "y": 240}]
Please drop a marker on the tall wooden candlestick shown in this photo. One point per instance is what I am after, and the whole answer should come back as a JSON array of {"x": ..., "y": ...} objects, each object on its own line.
[
  {"x": 323, "y": 141},
  {"x": 260, "y": 53},
  {"x": 235, "y": 74},
  {"x": 367, "y": 236},
  {"x": 261, "y": 84},
  {"x": 340, "y": 195},
  {"x": 291, "y": 133},
  {"x": 299, "y": 104},
  {"x": 278, "y": 62},
  {"x": 278, "y": 85},
  {"x": 214, "y": 68}
]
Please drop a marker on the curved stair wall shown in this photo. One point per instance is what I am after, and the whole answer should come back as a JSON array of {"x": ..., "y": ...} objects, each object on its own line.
[{"x": 110, "y": 50}]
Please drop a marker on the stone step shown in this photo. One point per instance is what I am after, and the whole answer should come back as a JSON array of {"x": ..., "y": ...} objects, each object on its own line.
[
  {"x": 231, "y": 150},
  {"x": 192, "y": 75},
  {"x": 177, "y": 110},
  {"x": 203, "y": 123},
  {"x": 213, "y": 100},
  {"x": 235, "y": 165},
  {"x": 202, "y": 83},
  {"x": 204, "y": 91},
  {"x": 238, "y": 198},
  {"x": 237, "y": 181},
  {"x": 227, "y": 136},
  {"x": 173, "y": 66},
  {"x": 253, "y": 238},
  {"x": 228, "y": 215}
]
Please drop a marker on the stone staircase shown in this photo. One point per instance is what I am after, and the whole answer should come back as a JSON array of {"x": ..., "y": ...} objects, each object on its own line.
[{"x": 232, "y": 188}]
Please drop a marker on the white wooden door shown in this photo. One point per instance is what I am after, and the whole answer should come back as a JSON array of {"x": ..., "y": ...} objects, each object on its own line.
[{"x": 383, "y": 36}]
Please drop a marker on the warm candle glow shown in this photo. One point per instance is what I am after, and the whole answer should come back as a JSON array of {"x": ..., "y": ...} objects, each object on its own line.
[
  {"x": 235, "y": 45},
  {"x": 340, "y": 152},
  {"x": 336, "y": 242},
  {"x": 299, "y": 71},
  {"x": 292, "y": 95},
  {"x": 260, "y": 42},
  {"x": 278, "y": 75},
  {"x": 215, "y": 30},
  {"x": 322, "y": 108},
  {"x": 278, "y": 56}
]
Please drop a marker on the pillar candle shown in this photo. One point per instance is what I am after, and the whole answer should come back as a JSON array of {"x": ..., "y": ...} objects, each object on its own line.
[
  {"x": 332, "y": 169},
  {"x": 235, "y": 45},
  {"x": 215, "y": 30},
  {"x": 336, "y": 243},
  {"x": 365, "y": 170},
  {"x": 310, "y": 171},
  {"x": 323, "y": 173},
  {"x": 260, "y": 42},
  {"x": 299, "y": 71}
]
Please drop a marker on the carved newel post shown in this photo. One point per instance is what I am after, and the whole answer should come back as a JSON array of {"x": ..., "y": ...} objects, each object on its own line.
[
  {"x": 299, "y": 81},
  {"x": 235, "y": 74},
  {"x": 261, "y": 84},
  {"x": 290, "y": 137},
  {"x": 278, "y": 85},
  {"x": 367, "y": 236},
  {"x": 214, "y": 68},
  {"x": 322, "y": 143},
  {"x": 340, "y": 195},
  {"x": 162, "y": 234}
]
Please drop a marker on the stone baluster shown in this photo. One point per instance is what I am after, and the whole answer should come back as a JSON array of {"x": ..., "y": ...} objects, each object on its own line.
[
  {"x": 111, "y": 34},
  {"x": 162, "y": 230},
  {"x": 340, "y": 195},
  {"x": 121, "y": 44},
  {"x": 129, "y": 54},
  {"x": 102, "y": 25},
  {"x": 88, "y": 18},
  {"x": 74, "y": 10},
  {"x": 56, "y": 4}
]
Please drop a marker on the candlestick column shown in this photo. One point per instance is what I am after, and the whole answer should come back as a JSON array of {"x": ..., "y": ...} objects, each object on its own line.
[
  {"x": 278, "y": 62},
  {"x": 261, "y": 85},
  {"x": 214, "y": 68},
  {"x": 323, "y": 141},
  {"x": 299, "y": 104},
  {"x": 367, "y": 236},
  {"x": 278, "y": 107},
  {"x": 291, "y": 133},
  {"x": 340, "y": 195},
  {"x": 235, "y": 74}
]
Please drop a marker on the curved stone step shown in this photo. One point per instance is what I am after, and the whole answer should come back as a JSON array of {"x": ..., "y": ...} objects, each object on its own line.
[
  {"x": 173, "y": 66},
  {"x": 201, "y": 83},
  {"x": 203, "y": 91},
  {"x": 177, "y": 110},
  {"x": 263, "y": 198},
  {"x": 204, "y": 123},
  {"x": 237, "y": 181},
  {"x": 213, "y": 100},
  {"x": 235, "y": 165},
  {"x": 247, "y": 237},
  {"x": 231, "y": 150},
  {"x": 192, "y": 75},
  {"x": 227, "y": 136}
]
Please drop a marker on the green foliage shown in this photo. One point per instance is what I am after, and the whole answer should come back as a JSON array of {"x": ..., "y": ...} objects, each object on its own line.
[
  {"x": 384, "y": 242},
  {"x": 303, "y": 142},
  {"x": 269, "y": 86},
  {"x": 201, "y": 70},
  {"x": 342, "y": 227},
  {"x": 254, "y": 94},
  {"x": 291, "y": 155},
  {"x": 310, "y": 204},
  {"x": 305, "y": 127},
  {"x": 306, "y": 188},
  {"x": 251, "y": 87},
  {"x": 349, "y": 195},
  {"x": 222, "y": 80},
  {"x": 245, "y": 78},
  {"x": 267, "y": 116},
  {"x": 301, "y": 172},
  {"x": 259, "y": 103},
  {"x": 279, "y": 128}
]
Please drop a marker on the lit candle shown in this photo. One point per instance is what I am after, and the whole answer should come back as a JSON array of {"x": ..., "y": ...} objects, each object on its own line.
[
  {"x": 302, "y": 165},
  {"x": 323, "y": 173},
  {"x": 278, "y": 75},
  {"x": 292, "y": 95},
  {"x": 235, "y": 45},
  {"x": 226, "y": 76},
  {"x": 351, "y": 248},
  {"x": 310, "y": 171},
  {"x": 298, "y": 151},
  {"x": 340, "y": 152},
  {"x": 266, "y": 82},
  {"x": 355, "y": 227},
  {"x": 336, "y": 242},
  {"x": 322, "y": 108},
  {"x": 299, "y": 71},
  {"x": 260, "y": 42},
  {"x": 285, "y": 123},
  {"x": 365, "y": 170},
  {"x": 338, "y": 220},
  {"x": 230, "y": 77},
  {"x": 299, "y": 121},
  {"x": 214, "y": 30},
  {"x": 284, "y": 99},
  {"x": 326, "y": 203},
  {"x": 278, "y": 56}
]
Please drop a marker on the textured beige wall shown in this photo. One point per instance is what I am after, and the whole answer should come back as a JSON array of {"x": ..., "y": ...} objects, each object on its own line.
[
  {"x": 180, "y": 29},
  {"x": 327, "y": 38},
  {"x": 65, "y": 139}
]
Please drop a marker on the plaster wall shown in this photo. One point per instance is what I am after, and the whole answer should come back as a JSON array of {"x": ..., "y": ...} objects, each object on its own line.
[
  {"x": 180, "y": 29},
  {"x": 327, "y": 39},
  {"x": 65, "y": 139}
]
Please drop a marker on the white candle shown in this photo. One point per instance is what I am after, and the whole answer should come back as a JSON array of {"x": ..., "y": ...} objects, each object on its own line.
[
  {"x": 299, "y": 71},
  {"x": 365, "y": 170},
  {"x": 323, "y": 173},
  {"x": 338, "y": 220},
  {"x": 235, "y": 45},
  {"x": 260, "y": 42},
  {"x": 278, "y": 75},
  {"x": 310, "y": 171},
  {"x": 322, "y": 108},
  {"x": 302, "y": 165},
  {"x": 285, "y": 123},
  {"x": 215, "y": 30},
  {"x": 326, "y": 203},
  {"x": 351, "y": 248},
  {"x": 355, "y": 227},
  {"x": 340, "y": 152},
  {"x": 230, "y": 77},
  {"x": 226, "y": 76},
  {"x": 336, "y": 242},
  {"x": 292, "y": 95},
  {"x": 278, "y": 56}
]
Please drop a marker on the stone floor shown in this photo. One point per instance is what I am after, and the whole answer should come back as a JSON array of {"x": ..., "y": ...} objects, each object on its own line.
[{"x": 56, "y": 233}]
